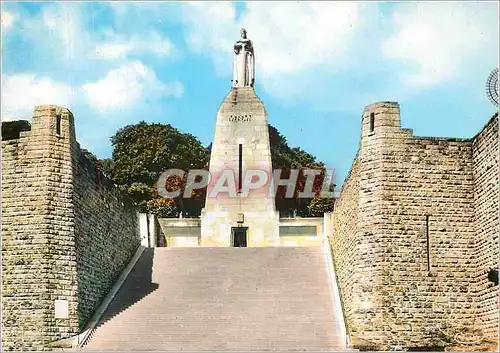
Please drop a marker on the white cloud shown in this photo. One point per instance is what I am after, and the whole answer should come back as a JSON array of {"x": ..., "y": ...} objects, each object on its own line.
[
  {"x": 69, "y": 33},
  {"x": 22, "y": 92},
  {"x": 313, "y": 37},
  {"x": 211, "y": 26},
  {"x": 119, "y": 47},
  {"x": 8, "y": 19},
  {"x": 63, "y": 25},
  {"x": 128, "y": 85},
  {"x": 310, "y": 34},
  {"x": 301, "y": 54},
  {"x": 112, "y": 50},
  {"x": 441, "y": 39}
]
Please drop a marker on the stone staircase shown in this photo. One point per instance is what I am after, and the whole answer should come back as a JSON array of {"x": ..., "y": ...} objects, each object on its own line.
[{"x": 224, "y": 299}]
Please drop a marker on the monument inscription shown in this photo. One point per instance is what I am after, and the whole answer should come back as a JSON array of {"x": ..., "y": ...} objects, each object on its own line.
[{"x": 240, "y": 118}]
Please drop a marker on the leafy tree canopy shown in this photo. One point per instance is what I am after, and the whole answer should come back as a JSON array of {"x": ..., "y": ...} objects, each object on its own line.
[
  {"x": 286, "y": 158},
  {"x": 141, "y": 152},
  {"x": 318, "y": 206}
]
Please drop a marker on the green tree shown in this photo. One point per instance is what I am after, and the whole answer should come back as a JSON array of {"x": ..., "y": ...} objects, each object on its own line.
[
  {"x": 141, "y": 193},
  {"x": 162, "y": 207},
  {"x": 141, "y": 152},
  {"x": 107, "y": 166},
  {"x": 319, "y": 205},
  {"x": 287, "y": 158}
]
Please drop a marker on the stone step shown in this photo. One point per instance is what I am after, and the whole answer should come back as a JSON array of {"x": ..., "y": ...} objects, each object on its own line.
[{"x": 200, "y": 299}]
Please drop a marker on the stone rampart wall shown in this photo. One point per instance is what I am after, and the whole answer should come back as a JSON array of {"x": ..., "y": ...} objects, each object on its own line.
[
  {"x": 38, "y": 256},
  {"x": 486, "y": 198},
  {"x": 345, "y": 246},
  {"x": 426, "y": 228},
  {"x": 62, "y": 239},
  {"x": 413, "y": 222},
  {"x": 106, "y": 233}
]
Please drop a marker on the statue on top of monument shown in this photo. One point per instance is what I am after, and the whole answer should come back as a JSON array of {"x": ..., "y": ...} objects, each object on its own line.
[{"x": 244, "y": 62}]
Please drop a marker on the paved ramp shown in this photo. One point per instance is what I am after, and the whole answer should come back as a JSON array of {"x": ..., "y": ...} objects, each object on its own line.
[{"x": 196, "y": 299}]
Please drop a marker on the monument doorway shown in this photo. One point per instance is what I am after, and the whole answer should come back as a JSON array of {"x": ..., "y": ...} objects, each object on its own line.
[{"x": 239, "y": 237}]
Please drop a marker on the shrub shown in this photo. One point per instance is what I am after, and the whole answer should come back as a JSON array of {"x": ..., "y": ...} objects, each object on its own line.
[
  {"x": 319, "y": 206},
  {"x": 162, "y": 207}
]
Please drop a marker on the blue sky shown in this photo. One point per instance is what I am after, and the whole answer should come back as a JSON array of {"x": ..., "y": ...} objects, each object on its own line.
[{"x": 318, "y": 66}]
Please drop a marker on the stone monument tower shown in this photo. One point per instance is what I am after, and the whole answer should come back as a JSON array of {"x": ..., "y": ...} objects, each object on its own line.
[{"x": 241, "y": 158}]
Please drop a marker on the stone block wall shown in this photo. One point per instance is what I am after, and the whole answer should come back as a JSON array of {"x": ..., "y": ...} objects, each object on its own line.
[
  {"x": 106, "y": 234},
  {"x": 486, "y": 170},
  {"x": 59, "y": 242},
  {"x": 404, "y": 239},
  {"x": 345, "y": 245},
  {"x": 38, "y": 260}
]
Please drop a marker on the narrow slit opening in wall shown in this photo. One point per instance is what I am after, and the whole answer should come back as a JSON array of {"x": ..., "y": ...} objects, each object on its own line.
[
  {"x": 240, "y": 166},
  {"x": 428, "y": 243},
  {"x": 58, "y": 124},
  {"x": 372, "y": 122}
]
